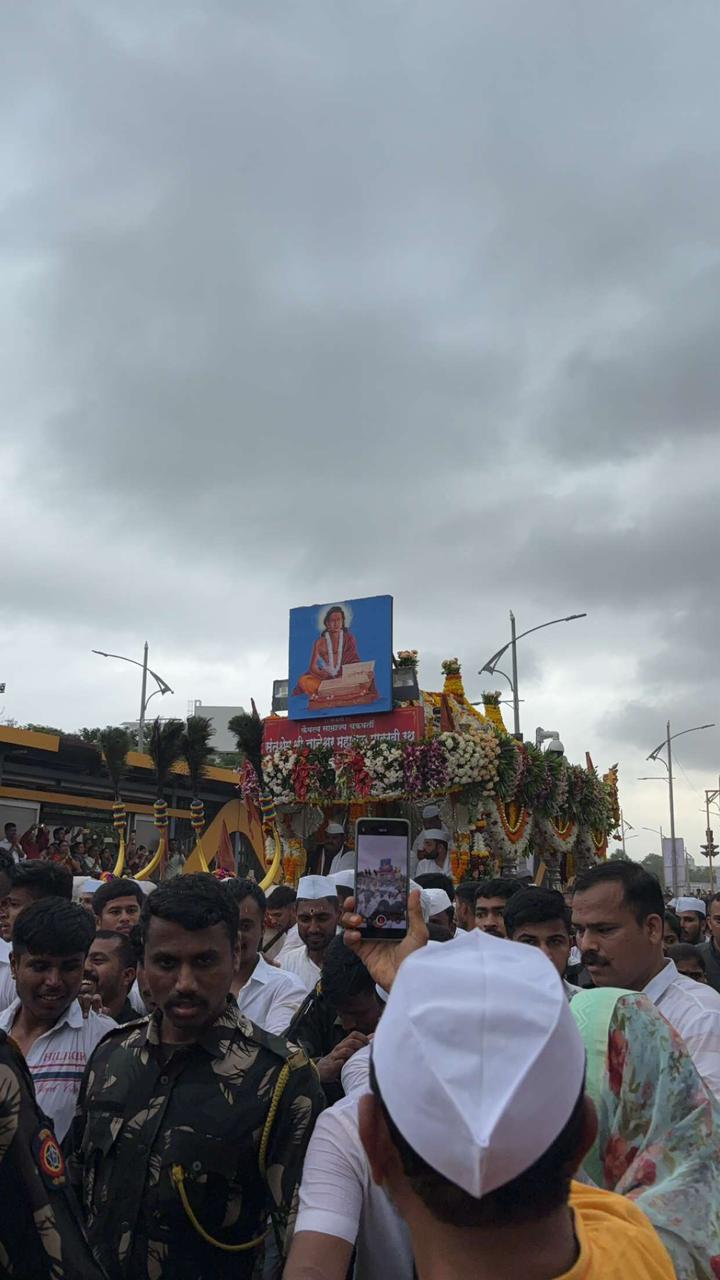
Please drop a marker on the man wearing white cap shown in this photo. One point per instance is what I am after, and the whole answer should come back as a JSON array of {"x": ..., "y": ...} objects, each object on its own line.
[
  {"x": 494, "y": 1149},
  {"x": 435, "y": 853},
  {"x": 317, "y": 920},
  {"x": 618, "y": 916},
  {"x": 332, "y": 855},
  {"x": 479, "y": 1155},
  {"x": 692, "y": 913},
  {"x": 430, "y": 820}
]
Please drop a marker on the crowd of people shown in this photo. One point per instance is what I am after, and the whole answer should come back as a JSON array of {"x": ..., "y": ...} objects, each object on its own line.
[{"x": 199, "y": 1082}]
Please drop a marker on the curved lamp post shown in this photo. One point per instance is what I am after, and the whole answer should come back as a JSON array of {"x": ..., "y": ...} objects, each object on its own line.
[
  {"x": 162, "y": 686},
  {"x": 655, "y": 756},
  {"x": 491, "y": 664}
]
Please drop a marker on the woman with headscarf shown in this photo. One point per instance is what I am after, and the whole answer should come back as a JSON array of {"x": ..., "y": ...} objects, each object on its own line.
[{"x": 658, "y": 1127}]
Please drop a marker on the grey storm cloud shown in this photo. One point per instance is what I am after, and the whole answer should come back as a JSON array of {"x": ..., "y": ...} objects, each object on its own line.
[{"x": 301, "y": 300}]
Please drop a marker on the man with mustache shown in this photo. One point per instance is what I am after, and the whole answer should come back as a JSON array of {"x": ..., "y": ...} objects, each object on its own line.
[
  {"x": 192, "y": 1125},
  {"x": 318, "y": 912},
  {"x": 618, "y": 915}
]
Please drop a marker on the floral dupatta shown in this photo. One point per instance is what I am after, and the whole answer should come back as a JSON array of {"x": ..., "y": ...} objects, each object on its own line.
[{"x": 659, "y": 1128}]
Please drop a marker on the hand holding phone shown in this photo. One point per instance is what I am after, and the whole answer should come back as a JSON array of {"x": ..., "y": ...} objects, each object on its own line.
[{"x": 383, "y": 959}]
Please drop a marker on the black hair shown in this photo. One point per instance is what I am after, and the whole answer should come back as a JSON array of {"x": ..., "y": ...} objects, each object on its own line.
[
  {"x": 466, "y": 891},
  {"x": 239, "y": 890},
  {"x": 685, "y": 951},
  {"x": 641, "y": 890},
  {"x": 535, "y": 906},
  {"x": 56, "y": 833},
  {"x": 343, "y": 974},
  {"x": 9, "y": 825},
  {"x": 715, "y": 897},
  {"x": 436, "y": 880},
  {"x": 113, "y": 889},
  {"x": 126, "y": 949},
  {"x": 135, "y": 939},
  {"x": 336, "y": 608},
  {"x": 194, "y": 902},
  {"x": 7, "y": 863},
  {"x": 43, "y": 879},
  {"x": 53, "y": 927},
  {"x": 529, "y": 1197},
  {"x": 673, "y": 921},
  {"x": 283, "y": 895},
  {"x": 500, "y": 887}
]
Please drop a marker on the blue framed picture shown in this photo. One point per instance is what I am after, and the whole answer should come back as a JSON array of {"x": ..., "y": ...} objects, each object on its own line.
[{"x": 341, "y": 658}]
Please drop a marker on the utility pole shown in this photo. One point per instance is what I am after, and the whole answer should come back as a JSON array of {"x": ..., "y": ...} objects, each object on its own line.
[
  {"x": 516, "y": 698},
  {"x": 143, "y": 702},
  {"x": 709, "y": 835},
  {"x": 675, "y": 885}
]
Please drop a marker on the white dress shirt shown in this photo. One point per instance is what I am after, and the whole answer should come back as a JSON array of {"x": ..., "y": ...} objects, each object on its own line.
[
  {"x": 292, "y": 942},
  {"x": 428, "y": 866},
  {"x": 57, "y": 1059},
  {"x": 298, "y": 962},
  {"x": 339, "y": 1198},
  {"x": 7, "y": 982},
  {"x": 693, "y": 1009},
  {"x": 343, "y": 861},
  {"x": 271, "y": 997}
]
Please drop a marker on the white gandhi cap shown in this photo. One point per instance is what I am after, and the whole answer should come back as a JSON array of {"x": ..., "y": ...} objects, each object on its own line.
[
  {"x": 344, "y": 878},
  {"x": 691, "y": 904},
  {"x": 498, "y": 1059},
  {"x": 334, "y": 829},
  {"x": 437, "y": 900},
  {"x": 431, "y": 811},
  {"x": 437, "y": 833},
  {"x": 311, "y": 888}
]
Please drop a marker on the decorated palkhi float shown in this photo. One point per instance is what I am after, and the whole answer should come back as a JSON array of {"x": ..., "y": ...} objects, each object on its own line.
[{"x": 510, "y": 808}]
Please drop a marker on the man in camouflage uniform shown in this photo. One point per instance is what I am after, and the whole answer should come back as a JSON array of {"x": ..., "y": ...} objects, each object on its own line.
[
  {"x": 40, "y": 1235},
  {"x": 192, "y": 1125}
]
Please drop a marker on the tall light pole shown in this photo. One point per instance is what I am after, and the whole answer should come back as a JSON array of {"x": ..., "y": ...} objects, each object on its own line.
[
  {"x": 162, "y": 686},
  {"x": 491, "y": 664},
  {"x": 655, "y": 755}
]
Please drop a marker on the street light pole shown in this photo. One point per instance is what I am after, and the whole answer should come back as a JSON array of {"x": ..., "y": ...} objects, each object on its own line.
[
  {"x": 143, "y": 702},
  {"x": 491, "y": 667},
  {"x": 516, "y": 699},
  {"x": 672, "y": 808},
  {"x": 162, "y": 686},
  {"x": 655, "y": 755}
]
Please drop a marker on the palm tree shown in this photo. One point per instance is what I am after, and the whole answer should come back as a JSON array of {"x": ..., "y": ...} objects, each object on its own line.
[
  {"x": 196, "y": 752},
  {"x": 248, "y": 730},
  {"x": 115, "y": 744},
  {"x": 165, "y": 749}
]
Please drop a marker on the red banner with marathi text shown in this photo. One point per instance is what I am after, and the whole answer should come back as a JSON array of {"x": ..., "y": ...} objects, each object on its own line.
[{"x": 405, "y": 724}]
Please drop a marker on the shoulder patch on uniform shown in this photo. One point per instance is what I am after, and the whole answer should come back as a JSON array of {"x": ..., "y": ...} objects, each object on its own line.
[{"x": 49, "y": 1158}]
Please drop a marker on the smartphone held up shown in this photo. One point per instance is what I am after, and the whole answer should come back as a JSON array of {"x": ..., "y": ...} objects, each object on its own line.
[{"x": 382, "y": 875}]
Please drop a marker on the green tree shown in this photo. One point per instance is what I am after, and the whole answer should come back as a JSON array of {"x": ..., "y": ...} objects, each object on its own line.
[{"x": 654, "y": 864}]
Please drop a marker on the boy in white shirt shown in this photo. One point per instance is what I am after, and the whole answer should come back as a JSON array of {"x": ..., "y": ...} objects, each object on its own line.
[{"x": 50, "y": 942}]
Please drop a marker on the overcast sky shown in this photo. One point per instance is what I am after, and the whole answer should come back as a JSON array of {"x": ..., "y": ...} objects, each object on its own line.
[{"x": 307, "y": 301}]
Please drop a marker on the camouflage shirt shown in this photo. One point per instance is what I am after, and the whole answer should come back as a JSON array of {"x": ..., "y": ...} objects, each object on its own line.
[
  {"x": 143, "y": 1111},
  {"x": 40, "y": 1234}
]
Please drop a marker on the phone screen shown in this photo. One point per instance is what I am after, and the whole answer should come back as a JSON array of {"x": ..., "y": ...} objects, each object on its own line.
[{"x": 381, "y": 876}]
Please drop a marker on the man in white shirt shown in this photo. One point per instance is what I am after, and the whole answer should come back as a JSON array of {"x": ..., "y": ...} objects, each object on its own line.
[
  {"x": 430, "y": 822},
  {"x": 435, "y": 856},
  {"x": 317, "y": 921},
  {"x": 51, "y": 939},
  {"x": 29, "y": 882},
  {"x": 343, "y": 859},
  {"x": 268, "y": 996},
  {"x": 11, "y": 843},
  {"x": 618, "y": 915},
  {"x": 279, "y": 920}
]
